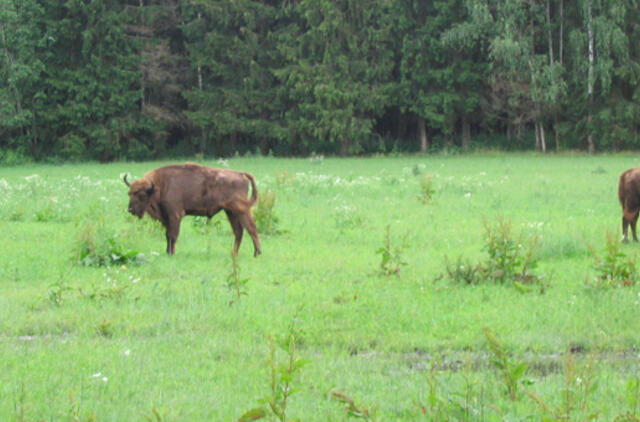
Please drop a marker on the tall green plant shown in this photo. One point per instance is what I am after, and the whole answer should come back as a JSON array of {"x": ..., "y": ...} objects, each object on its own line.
[
  {"x": 235, "y": 283},
  {"x": 391, "y": 256},
  {"x": 511, "y": 373},
  {"x": 510, "y": 257},
  {"x": 281, "y": 375}
]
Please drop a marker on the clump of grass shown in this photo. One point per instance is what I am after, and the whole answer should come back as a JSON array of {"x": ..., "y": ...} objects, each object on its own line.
[
  {"x": 105, "y": 328},
  {"x": 204, "y": 226},
  {"x": 114, "y": 291},
  {"x": 579, "y": 385},
  {"x": 57, "y": 292},
  {"x": 281, "y": 375},
  {"x": 351, "y": 408},
  {"x": 266, "y": 220},
  {"x": 614, "y": 267},
  {"x": 99, "y": 245},
  {"x": 632, "y": 397},
  {"x": 391, "y": 257},
  {"x": 426, "y": 189},
  {"x": 17, "y": 214},
  {"x": 443, "y": 405},
  {"x": 463, "y": 271},
  {"x": 284, "y": 178},
  {"x": 346, "y": 217},
  {"x": 45, "y": 214}
]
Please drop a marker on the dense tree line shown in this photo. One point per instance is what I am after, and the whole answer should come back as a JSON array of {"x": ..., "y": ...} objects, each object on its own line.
[{"x": 115, "y": 79}]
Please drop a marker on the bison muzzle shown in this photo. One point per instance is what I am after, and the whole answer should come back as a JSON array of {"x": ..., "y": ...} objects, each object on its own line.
[
  {"x": 629, "y": 195},
  {"x": 169, "y": 193}
]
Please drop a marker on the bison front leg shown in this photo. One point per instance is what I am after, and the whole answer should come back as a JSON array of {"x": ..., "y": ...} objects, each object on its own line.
[
  {"x": 237, "y": 230},
  {"x": 625, "y": 228},
  {"x": 173, "y": 230},
  {"x": 629, "y": 218}
]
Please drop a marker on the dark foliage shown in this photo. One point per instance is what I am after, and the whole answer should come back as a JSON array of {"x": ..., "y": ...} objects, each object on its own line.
[{"x": 132, "y": 79}]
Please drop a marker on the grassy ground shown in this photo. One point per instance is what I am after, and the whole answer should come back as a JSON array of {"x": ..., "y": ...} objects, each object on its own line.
[{"x": 159, "y": 339}]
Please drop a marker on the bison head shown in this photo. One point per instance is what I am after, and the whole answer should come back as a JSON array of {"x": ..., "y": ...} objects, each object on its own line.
[{"x": 140, "y": 192}]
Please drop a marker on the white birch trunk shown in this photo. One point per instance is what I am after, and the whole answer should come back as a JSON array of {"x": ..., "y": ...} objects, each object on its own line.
[
  {"x": 590, "y": 75},
  {"x": 422, "y": 132}
]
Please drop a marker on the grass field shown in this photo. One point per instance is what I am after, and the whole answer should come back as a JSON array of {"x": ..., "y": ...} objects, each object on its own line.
[{"x": 181, "y": 338}]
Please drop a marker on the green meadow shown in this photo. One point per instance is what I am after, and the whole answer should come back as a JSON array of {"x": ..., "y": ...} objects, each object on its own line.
[{"x": 352, "y": 311}]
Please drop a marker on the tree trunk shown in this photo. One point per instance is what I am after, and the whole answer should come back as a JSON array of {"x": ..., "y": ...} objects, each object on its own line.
[
  {"x": 466, "y": 131},
  {"x": 402, "y": 126},
  {"x": 233, "y": 138},
  {"x": 590, "y": 75},
  {"x": 543, "y": 142},
  {"x": 556, "y": 133},
  {"x": 538, "y": 143},
  {"x": 345, "y": 145},
  {"x": 549, "y": 33},
  {"x": 142, "y": 102},
  {"x": 561, "y": 35},
  {"x": 199, "y": 67},
  {"x": 422, "y": 133}
]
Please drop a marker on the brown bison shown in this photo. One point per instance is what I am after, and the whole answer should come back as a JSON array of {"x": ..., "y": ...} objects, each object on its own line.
[
  {"x": 169, "y": 193},
  {"x": 629, "y": 195}
]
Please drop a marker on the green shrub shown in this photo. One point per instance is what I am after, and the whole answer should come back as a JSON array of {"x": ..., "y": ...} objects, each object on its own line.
[
  {"x": 426, "y": 189},
  {"x": 391, "y": 257},
  {"x": 99, "y": 245},
  {"x": 614, "y": 267},
  {"x": 510, "y": 259},
  {"x": 266, "y": 220}
]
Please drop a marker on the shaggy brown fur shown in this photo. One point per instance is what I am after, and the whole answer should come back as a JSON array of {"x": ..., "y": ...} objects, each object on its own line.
[
  {"x": 629, "y": 195},
  {"x": 169, "y": 193}
]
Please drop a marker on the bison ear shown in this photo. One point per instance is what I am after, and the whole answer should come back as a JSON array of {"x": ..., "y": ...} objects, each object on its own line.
[
  {"x": 126, "y": 182},
  {"x": 151, "y": 189}
]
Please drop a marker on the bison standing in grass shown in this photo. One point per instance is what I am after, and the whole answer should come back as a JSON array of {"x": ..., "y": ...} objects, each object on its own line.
[
  {"x": 169, "y": 193},
  {"x": 629, "y": 195}
]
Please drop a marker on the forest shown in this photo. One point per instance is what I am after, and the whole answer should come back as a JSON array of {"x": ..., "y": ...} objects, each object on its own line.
[{"x": 113, "y": 80}]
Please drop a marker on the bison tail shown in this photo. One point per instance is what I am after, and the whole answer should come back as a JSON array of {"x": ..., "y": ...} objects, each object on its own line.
[
  {"x": 254, "y": 189},
  {"x": 621, "y": 189}
]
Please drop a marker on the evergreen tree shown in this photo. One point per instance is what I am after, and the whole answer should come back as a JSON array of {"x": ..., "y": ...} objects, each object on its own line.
[
  {"x": 337, "y": 73},
  {"x": 22, "y": 98},
  {"x": 235, "y": 96}
]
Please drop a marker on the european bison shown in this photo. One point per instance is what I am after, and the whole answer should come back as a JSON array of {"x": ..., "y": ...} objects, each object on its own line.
[
  {"x": 629, "y": 195},
  {"x": 169, "y": 193}
]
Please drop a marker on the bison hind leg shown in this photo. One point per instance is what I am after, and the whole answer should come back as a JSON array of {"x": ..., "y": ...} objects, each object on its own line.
[
  {"x": 237, "y": 230},
  {"x": 629, "y": 218},
  {"x": 247, "y": 222}
]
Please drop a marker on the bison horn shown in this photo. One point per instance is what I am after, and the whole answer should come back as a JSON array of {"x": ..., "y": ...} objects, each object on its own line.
[
  {"x": 152, "y": 188},
  {"x": 125, "y": 181}
]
